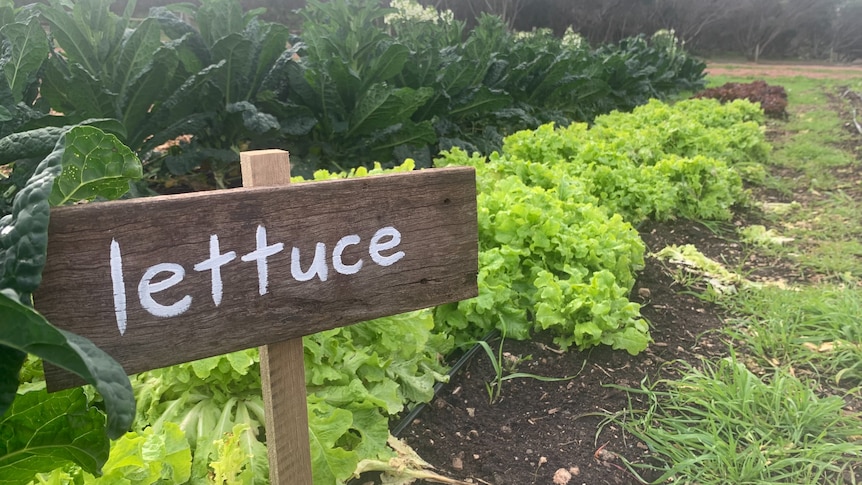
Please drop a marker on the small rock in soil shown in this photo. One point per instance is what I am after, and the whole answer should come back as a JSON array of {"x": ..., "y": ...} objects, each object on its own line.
[{"x": 562, "y": 477}]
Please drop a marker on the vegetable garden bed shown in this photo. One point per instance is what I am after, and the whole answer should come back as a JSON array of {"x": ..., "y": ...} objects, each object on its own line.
[
  {"x": 542, "y": 433},
  {"x": 558, "y": 203},
  {"x": 537, "y": 428}
]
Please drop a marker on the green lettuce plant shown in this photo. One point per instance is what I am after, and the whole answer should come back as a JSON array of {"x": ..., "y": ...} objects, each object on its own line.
[
  {"x": 550, "y": 258},
  {"x": 558, "y": 250}
]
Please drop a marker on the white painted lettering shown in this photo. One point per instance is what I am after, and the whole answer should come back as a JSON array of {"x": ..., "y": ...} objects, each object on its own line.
[
  {"x": 382, "y": 248},
  {"x": 260, "y": 254},
  {"x": 318, "y": 265},
  {"x": 376, "y": 246},
  {"x": 214, "y": 264},
  {"x": 119, "y": 286},
  {"x": 338, "y": 263},
  {"x": 146, "y": 289}
]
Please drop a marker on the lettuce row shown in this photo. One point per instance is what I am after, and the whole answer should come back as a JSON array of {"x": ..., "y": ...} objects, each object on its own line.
[
  {"x": 660, "y": 161},
  {"x": 558, "y": 250},
  {"x": 550, "y": 258}
]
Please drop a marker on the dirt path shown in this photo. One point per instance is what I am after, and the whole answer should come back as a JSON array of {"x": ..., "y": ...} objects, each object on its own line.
[{"x": 816, "y": 71}]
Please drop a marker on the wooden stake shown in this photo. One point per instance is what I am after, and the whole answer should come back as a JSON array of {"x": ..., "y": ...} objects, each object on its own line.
[{"x": 282, "y": 364}]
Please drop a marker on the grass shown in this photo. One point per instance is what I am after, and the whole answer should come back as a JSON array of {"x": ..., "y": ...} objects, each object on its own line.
[
  {"x": 826, "y": 233},
  {"x": 723, "y": 424},
  {"x": 784, "y": 407},
  {"x": 827, "y": 228},
  {"x": 506, "y": 368},
  {"x": 813, "y": 331}
]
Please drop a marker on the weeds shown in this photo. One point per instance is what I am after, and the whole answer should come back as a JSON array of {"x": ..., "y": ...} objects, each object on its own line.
[
  {"x": 505, "y": 368},
  {"x": 723, "y": 424}
]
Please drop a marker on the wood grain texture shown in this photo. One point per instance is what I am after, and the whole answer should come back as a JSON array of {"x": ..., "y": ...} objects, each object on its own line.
[
  {"x": 282, "y": 378},
  {"x": 282, "y": 364},
  {"x": 434, "y": 210}
]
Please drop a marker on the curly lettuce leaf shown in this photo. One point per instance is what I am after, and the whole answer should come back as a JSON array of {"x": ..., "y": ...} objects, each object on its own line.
[{"x": 149, "y": 457}]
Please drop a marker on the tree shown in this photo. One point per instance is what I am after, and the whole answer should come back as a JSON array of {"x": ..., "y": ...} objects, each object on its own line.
[
  {"x": 755, "y": 25},
  {"x": 690, "y": 18},
  {"x": 846, "y": 41}
]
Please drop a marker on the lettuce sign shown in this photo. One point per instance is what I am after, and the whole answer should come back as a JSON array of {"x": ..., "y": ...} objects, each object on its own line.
[{"x": 164, "y": 280}]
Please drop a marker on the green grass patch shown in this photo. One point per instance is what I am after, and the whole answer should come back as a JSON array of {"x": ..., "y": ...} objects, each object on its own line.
[
  {"x": 723, "y": 424},
  {"x": 826, "y": 233},
  {"x": 813, "y": 159},
  {"x": 808, "y": 153},
  {"x": 827, "y": 230},
  {"x": 834, "y": 258},
  {"x": 803, "y": 91},
  {"x": 811, "y": 125},
  {"x": 813, "y": 330}
]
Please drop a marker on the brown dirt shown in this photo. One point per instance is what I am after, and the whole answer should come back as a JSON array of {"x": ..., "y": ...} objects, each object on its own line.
[
  {"x": 815, "y": 71},
  {"x": 537, "y": 428}
]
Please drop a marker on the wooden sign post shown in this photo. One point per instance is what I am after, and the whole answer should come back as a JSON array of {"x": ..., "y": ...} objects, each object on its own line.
[{"x": 164, "y": 280}]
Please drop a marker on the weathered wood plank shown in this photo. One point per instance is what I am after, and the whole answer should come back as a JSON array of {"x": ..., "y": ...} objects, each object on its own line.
[{"x": 434, "y": 211}]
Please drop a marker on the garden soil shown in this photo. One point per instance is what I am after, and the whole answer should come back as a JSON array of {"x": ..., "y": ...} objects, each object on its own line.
[
  {"x": 538, "y": 428},
  {"x": 770, "y": 70},
  {"x": 552, "y": 432}
]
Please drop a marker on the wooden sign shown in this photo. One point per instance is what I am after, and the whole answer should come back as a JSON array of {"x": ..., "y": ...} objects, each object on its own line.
[{"x": 164, "y": 280}]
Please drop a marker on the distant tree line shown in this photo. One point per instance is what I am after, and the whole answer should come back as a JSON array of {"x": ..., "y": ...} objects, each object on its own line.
[
  {"x": 774, "y": 29},
  {"x": 756, "y": 29}
]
